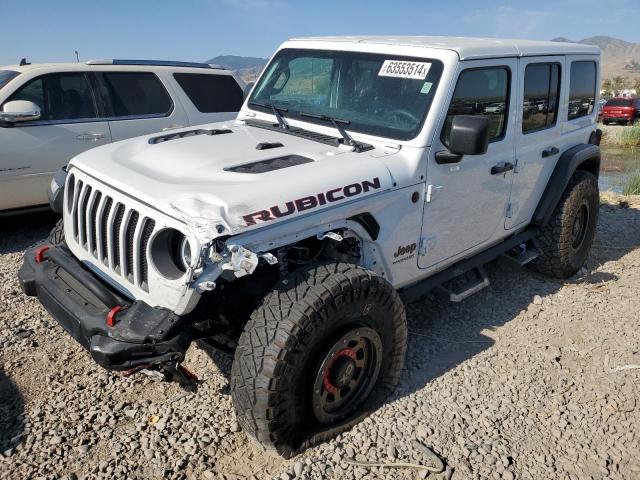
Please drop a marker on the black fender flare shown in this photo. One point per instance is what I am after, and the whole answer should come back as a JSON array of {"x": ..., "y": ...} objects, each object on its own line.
[{"x": 581, "y": 157}]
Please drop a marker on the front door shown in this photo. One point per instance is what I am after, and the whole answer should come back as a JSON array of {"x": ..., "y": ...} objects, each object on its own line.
[
  {"x": 537, "y": 136},
  {"x": 466, "y": 203},
  {"x": 31, "y": 152}
]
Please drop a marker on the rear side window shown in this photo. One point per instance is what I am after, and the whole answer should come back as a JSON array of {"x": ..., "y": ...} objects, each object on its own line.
[
  {"x": 211, "y": 93},
  {"x": 60, "y": 96},
  {"x": 582, "y": 93},
  {"x": 137, "y": 94},
  {"x": 541, "y": 96},
  {"x": 483, "y": 92}
]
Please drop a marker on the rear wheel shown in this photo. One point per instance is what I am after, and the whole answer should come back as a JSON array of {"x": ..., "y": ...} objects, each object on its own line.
[
  {"x": 56, "y": 236},
  {"x": 566, "y": 240},
  {"x": 326, "y": 346}
]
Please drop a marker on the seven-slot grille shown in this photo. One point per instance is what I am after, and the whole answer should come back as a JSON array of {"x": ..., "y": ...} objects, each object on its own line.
[{"x": 110, "y": 231}]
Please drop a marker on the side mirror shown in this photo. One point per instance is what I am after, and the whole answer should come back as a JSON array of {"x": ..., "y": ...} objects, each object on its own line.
[
  {"x": 469, "y": 136},
  {"x": 19, "y": 111}
]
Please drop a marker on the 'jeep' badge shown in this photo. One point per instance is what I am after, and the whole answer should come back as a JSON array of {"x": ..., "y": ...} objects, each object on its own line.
[{"x": 405, "y": 253}]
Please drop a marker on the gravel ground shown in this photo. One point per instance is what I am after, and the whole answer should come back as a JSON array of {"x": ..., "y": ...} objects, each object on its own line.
[{"x": 531, "y": 378}]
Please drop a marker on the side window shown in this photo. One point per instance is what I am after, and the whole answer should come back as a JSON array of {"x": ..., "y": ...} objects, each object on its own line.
[
  {"x": 541, "y": 96},
  {"x": 582, "y": 93},
  {"x": 137, "y": 94},
  {"x": 482, "y": 91},
  {"x": 60, "y": 96},
  {"x": 211, "y": 93}
]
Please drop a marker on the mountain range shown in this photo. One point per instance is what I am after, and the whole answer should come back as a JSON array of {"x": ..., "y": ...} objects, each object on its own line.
[
  {"x": 619, "y": 57},
  {"x": 248, "y": 68}
]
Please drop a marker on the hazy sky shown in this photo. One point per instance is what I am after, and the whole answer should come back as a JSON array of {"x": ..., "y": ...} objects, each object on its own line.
[{"x": 200, "y": 29}]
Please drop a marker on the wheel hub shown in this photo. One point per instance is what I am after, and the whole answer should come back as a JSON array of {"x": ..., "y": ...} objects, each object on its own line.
[
  {"x": 341, "y": 371},
  {"x": 346, "y": 375}
]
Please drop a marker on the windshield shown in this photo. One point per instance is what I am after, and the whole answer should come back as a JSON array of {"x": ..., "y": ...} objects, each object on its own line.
[
  {"x": 5, "y": 76},
  {"x": 618, "y": 102},
  {"x": 382, "y": 95}
]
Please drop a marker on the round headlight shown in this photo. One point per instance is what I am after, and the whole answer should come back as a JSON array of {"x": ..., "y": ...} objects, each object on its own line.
[{"x": 171, "y": 253}]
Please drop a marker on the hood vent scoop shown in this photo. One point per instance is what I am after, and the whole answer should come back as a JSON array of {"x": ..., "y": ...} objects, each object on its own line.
[
  {"x": 264, "y": 166},
  {"x": 186, "y": 133},
  {"x": 268, "y": 145}
]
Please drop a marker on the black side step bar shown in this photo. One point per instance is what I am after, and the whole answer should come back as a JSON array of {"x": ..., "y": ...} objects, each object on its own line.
[{"x": 414, "y": 292}]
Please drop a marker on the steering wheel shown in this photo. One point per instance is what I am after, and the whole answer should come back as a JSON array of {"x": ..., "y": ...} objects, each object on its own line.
[{"x": 401, "y": 114}]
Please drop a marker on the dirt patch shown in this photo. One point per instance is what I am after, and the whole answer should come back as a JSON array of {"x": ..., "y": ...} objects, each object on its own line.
[{"x": 532, "y": 378}]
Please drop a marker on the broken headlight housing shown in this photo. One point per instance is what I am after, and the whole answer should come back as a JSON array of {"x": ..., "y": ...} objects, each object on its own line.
[{"x": 171, "y": 253}]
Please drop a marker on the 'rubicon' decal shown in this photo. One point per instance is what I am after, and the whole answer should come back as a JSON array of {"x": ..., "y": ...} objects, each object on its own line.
[{"x": 313, "y": 201}]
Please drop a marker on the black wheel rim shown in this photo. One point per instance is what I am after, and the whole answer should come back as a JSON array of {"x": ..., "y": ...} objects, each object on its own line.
[
  {"x": 347, "y": 373},
  {"x": 579, "y": 228}
]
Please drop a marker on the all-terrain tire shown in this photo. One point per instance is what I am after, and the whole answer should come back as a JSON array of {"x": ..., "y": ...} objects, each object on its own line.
[
  {"x": 280, "y": 350},
  {"x": 56, "y": 236},
  {"x": 565, "y": 241}
]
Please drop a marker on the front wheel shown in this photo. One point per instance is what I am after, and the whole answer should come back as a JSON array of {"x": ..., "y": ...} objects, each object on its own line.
[
  {"x": 566, "y": 240},
  {"x": 325, "y": 347}
]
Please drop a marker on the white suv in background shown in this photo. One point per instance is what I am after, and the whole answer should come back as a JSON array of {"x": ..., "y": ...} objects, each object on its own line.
[{"x": 51, "y": 113}]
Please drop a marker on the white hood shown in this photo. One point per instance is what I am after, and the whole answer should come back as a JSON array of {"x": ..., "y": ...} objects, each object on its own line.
[{"x": 189, "y": 179}]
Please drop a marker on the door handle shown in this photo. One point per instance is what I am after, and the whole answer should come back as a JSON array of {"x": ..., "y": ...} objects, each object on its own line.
[
  {"x": 172, "y": 127},
  {"x": 550, "y": 152},
  {"x": 502, "y": 167},
  {"x": 90, "y": 136}
]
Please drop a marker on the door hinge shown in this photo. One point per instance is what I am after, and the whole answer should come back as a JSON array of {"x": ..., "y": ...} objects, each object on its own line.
[
  {"x": 426, "y": 244},
  {"x": 509, "y": 210},
  {"x": 422, "y": 248},
  {"x": 431, "y": 190},
  {"x": 516, "y": 166}
]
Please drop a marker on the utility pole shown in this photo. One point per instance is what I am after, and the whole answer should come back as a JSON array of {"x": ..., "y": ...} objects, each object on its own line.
[{"x": 77, "y": 56}]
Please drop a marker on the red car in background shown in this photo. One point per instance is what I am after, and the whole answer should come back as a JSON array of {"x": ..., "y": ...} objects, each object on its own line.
[{"x": 625, "y": 110}]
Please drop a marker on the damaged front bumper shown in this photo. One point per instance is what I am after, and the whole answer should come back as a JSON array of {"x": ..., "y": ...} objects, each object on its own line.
[{"x": 119, "y": 333}]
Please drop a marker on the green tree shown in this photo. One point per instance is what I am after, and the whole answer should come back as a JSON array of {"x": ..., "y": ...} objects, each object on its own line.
[
  {"x": 607, "y": 88},
  {"x": 619, "y": 84}
]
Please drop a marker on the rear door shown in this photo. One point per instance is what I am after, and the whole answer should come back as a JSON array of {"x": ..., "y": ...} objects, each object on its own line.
[
  {"x": 138, "y": 103},
  {"x": 537, "y": 135},
  {"x": 208, "y": 97},
  {"x": 31, "y": 152}
]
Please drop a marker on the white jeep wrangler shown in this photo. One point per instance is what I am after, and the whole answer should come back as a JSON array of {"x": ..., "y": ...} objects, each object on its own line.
[{"x": 361, "y": 172}]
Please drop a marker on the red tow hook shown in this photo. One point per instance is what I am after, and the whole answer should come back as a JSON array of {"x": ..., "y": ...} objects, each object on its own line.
[
  {"x": 188, "y": 373},
  {"x": 111, "y": 316},
  {"x": 131, "y": 371},
  {"x": 40, "y": 253}
]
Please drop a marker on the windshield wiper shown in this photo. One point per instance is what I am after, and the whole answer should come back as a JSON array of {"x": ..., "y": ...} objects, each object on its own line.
[
  {"x": 276, "y": 111},
  {"x": 338, "y": 125}
]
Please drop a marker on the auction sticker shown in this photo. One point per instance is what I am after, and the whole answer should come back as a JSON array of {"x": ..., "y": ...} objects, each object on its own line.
[{"x": 404, "y": 69}]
